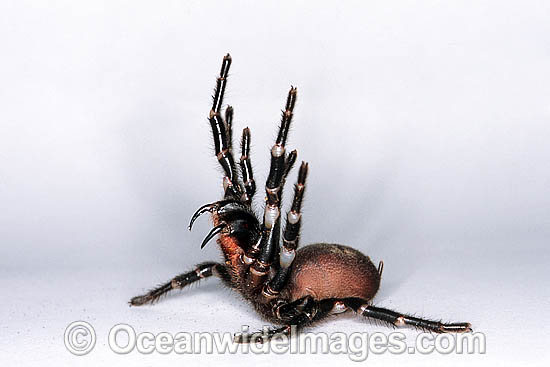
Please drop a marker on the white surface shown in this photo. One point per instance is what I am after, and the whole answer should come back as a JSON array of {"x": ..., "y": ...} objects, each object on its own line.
[
  {"x": 426, "y": 126},
  {"x": 503, "y": 296}
]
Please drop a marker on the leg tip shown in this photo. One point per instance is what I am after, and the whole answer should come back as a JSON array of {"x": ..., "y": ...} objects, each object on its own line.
[
  {"x": 459, "y": 327},
  {"x": 238, "y": 338},
  {"x": 139, "y": 300},
  {"x": 241, "y": 338}
]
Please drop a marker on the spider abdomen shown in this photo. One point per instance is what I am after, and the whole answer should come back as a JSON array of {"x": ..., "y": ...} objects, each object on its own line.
[{"x": 324, "y": 270}]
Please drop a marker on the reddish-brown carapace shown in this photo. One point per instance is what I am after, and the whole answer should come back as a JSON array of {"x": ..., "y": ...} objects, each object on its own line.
[{"x": 286, "y": 284}]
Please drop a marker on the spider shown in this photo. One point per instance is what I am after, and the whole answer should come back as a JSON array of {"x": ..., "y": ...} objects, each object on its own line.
[{"x": 287, "y": 286}]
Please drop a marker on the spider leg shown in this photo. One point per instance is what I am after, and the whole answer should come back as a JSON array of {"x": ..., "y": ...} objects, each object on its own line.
[
  {"x": 363, "y": 308},
  {"x": 294, "y": 315},
  {"x": 246, "y": 168},
  {"x": 290, "y": 236},
  {"x": 281, "y": 164},
  {"x": 203, "y": 270},
  {"x": 229, "y": 127},
  {"x": 222, "y": 133}
]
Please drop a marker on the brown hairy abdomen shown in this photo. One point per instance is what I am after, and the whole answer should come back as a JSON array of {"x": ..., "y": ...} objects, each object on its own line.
[{"x": 332, "y": 271}]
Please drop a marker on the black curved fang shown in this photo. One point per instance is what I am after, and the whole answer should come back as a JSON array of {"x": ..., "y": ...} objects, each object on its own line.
[
  {"x": 214, "y": 231},
  {"x": 200, "y": 211}
]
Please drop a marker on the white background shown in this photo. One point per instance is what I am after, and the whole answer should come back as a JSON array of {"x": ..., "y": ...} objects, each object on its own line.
[{"x": 426, "y": 125}]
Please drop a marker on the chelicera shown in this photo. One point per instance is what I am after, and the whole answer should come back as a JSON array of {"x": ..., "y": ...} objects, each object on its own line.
[{"x": 286, "y": 284}]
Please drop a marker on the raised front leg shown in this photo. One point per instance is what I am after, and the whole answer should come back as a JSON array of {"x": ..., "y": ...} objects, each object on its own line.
[
  {"x": 291, "y": 236},
  {"x": 261, "y": 255},
  {"x": 222, "y": 134},
  {"x": 246, "y": 168},
  {"x": 203, "y": 270}
]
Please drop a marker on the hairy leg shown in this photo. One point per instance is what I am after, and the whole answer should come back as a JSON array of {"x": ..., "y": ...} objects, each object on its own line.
[
  {"x": 291, "y": 235},
  {"x": 263, "y": 253},
  {"x": 295, "y": 316},
  {"x": 246, "y": 168},
  {"x": 203, "y": 270},
  {"x": 222, "y": 133},
  {"x": 363, "y": 308}
]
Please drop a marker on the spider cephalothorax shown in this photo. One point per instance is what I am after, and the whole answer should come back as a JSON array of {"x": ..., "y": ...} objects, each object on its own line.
[{"x": 287, "y": 285}]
